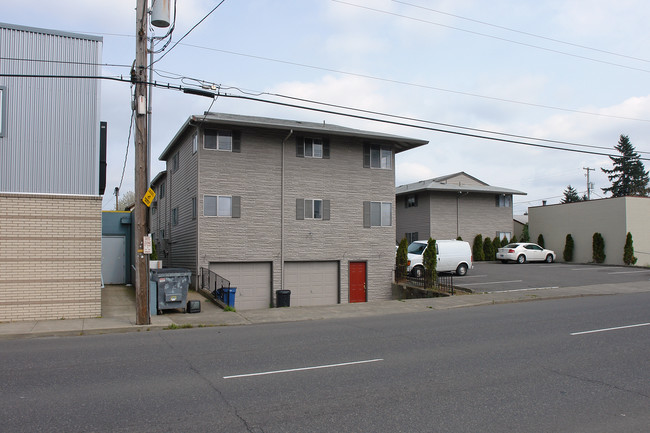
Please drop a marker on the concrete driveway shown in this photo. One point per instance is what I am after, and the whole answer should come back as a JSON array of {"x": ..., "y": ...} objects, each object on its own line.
[{"x": 496, "y": 276}]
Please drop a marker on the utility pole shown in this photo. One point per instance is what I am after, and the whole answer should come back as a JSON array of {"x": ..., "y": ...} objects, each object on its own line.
[
  {"x": 141, "y": 152},
  {"x": 588, "y": 183}
]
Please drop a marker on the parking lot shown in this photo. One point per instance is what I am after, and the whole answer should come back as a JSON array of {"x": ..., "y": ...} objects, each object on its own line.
[{"x": 495, "y": 276}]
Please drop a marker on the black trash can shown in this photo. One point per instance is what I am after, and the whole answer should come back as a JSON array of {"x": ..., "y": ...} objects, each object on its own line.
[{"x": 283, "y": 298}]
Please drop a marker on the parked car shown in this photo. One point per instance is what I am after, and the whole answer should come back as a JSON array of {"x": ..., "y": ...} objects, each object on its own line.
[
  {"x": 525, "y": 252},
  {"x": 453, "y": 256}
]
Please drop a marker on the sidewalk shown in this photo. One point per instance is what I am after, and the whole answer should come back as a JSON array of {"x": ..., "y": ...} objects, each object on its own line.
[{"x": 118, "y": 311}]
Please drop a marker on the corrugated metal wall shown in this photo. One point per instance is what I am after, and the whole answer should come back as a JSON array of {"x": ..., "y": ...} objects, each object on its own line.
[{"x": 51, "y": 135}]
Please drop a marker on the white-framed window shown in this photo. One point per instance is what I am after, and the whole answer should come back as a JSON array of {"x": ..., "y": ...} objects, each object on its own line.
[
  {"x": 154, "y": 207},
  {"x": 218, "y": 140},
  {"x": 222, "y": 206},
  {"x": 375, "y": 156},
  {"x": 175, "y": 216},
  {"x": 195, "y": 143},
  {"x": 506, "y": 235},
  {"x": 503, "y": 200},
  {"x": 377, "y": 214},
  {"x": 312, "y": 209},
  {"x": 313, "y": 148}
]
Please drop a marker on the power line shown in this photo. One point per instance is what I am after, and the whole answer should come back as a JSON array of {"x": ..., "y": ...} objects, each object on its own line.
[
  {"x": 212, "y": 94},
  {"x": 522, "y": 32},
  {"x": 189, "y": 31},
  {"x": 493, "y": 37}
]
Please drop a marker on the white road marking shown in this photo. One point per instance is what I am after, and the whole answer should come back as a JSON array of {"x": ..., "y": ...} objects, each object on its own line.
[
  {"x": 493, "y": 282},
  {"x": 343, "y": 364},
  {"x": 524, "y": 290},
  {"x": 627, "y": 272},
  {"x": 610, "y": 329},
  {"x": 474, "y": 276}
]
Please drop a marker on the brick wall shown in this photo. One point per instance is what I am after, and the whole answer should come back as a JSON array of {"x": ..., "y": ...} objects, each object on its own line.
[{"x": 50, "y": 257}]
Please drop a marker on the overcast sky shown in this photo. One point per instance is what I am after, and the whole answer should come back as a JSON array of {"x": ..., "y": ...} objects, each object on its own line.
[{"x": 567, "y": 71}]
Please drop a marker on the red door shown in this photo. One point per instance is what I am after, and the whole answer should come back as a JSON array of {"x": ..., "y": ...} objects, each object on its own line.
[{"x": 358, "y": 282}]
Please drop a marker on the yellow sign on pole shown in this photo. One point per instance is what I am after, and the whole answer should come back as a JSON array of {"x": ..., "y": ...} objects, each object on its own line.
[{"x": 148, "y": 197}]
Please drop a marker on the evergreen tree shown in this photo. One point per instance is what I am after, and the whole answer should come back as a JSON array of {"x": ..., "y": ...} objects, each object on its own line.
[
  {"x": 488, "y": 249},
  {"x": 496, "y": 243},
  {"x": 628, "y": 176},
  {"x": 540, "y": 240},
  {"x": 598, "y": 248},
  {"x": 430, "y": 261},
  {"x": 568, "y": 249},
  {"x": 401, "y": 258},
  {"x": 477, "y": 248},
  {"x": 525, "y": 234},
  {"x": 570, "y": 195},
  {"x": 628, "y": 250},
  {"x": 513, "y": 240}
]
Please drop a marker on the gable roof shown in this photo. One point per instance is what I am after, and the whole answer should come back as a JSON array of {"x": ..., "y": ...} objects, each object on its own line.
[
  {"x": 399, "y": 143},
  {"x": 446, "y": 184}
]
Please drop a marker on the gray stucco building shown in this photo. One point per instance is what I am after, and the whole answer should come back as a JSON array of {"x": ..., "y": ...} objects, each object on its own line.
[{"x": 275, "y": 204}]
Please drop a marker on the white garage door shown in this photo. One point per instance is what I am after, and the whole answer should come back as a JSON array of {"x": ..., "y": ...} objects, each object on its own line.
[
  {"x": 312, "y": 283},
  {"x": 252, "y": 280}
]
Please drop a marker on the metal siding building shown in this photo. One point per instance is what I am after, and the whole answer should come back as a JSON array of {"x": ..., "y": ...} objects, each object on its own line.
[
  {"x": 50, "y": 131},
  {"x": 50, "y": 204}
]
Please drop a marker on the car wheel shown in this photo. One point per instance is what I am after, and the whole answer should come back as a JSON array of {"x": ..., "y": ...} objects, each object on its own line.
[
  {"x": 418, "y": 272},
  {"x": 521, "y": 259},
  {"x": 549, "y": 258},
  {"x": 461, "y": 269}
]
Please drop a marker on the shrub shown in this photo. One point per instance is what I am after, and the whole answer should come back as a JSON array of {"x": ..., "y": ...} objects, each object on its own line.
[
  {"x": 459, "y": 238},
  {"x": 401, "y": 258},
  {"x": 568, "y": 249},
  {"x": 488, "y": 249},
  {"x": 628, "y": 250},
  {"x": 525, "y": 234},
  {"x": 598, "y": 247},
  {"x": 429, "y": 260},
  {"x": 540, "y": 240},
  {"x": 496, "y": 243},
  {"x": 477, "y": 248},
  {"x": 514, "y": 239}
]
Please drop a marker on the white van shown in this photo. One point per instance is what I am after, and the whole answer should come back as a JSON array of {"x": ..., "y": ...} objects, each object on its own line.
[{"x": 453, "y": 256}]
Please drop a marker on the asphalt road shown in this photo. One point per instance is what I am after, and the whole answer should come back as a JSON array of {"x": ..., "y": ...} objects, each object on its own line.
[
  {"x": 500, "y": 368},
  {"x": 491, "y": 277}
]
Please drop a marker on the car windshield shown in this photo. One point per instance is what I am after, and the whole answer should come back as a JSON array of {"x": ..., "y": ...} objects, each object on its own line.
[
  {"x": 511, "y": 246},
  {"x": 416, "y": 248}
]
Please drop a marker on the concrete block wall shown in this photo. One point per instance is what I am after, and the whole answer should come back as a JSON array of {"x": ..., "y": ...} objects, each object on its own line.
[{"x": 50, "y": 256}]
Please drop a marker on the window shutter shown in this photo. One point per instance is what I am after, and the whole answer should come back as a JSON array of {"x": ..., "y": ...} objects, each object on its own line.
[
  {"x": 326, "y": 148},
  {"x": 236, "y": 206},
  {"x": 300, "y": 147},
  {"x": 366, "y": 214},
  {"x": 326, "y": 210},
  {"x": 236, "y": 141},
  {"x": 300, "y": 209},
  {"x": 366, "y": 156}
]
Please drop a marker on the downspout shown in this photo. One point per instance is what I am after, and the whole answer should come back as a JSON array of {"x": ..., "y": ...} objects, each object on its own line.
[{"x": 284, "y": 142}]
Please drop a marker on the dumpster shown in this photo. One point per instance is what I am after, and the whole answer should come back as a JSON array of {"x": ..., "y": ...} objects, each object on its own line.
[
  {"x": 171, "y": 286},
  {"x": 283, "y": 298}
]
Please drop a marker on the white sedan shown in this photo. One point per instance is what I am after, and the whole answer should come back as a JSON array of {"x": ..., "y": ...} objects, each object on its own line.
[{"x": 525, "y": 252}]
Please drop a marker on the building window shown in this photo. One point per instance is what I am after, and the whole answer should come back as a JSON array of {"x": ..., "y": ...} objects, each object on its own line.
[
  {"x": 154, "y": 207},
  {"x": 161, "y": 190},
  {"x": 313, "y": 148},
  {"x": 312, "y": 209},
  {"x": 3, "y": 111},
  {"x": 221, "y": 206},
  {"x": 193, "y": 208},
  {"x": 411, "y": 200},
  {"x": 504, "y": 235},
  {"x": 377, "y": 214},
  {"x": 411, "y": 237},
  {"x": 175, "y": 216},
  {"x": 175, "y": 162},
  {"x": 162, "y": 234},
  {"x": 503, "y": 200},
  {"x": 218, "y": 140},
  {"x": 195, "y": 143},
  {"x": 375, "y": 156}
]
